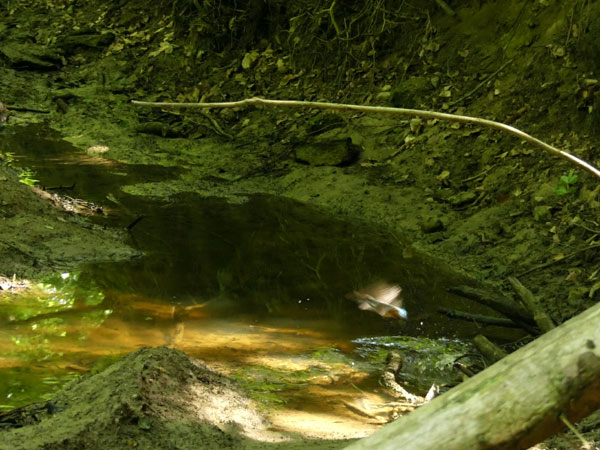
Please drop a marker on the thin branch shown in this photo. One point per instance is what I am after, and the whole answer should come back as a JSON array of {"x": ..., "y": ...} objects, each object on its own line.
[
  {"x": 447, "y": 9},
  {"x": 332, "y": 17},
  {"x": 556, "y": 261},
  {"x": 258, "y": 101},
  {"x": 478, "y": 318},
  {"x": 542, "y": 319},
  {"x": 483, "y": 83}
]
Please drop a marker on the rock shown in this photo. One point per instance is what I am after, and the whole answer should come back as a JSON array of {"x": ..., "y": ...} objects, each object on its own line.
[
  {"x": 462, "y": 198},
  {"x": 432, "y": 225},
  {"x": 338, "y": 152},
  {"x": 542, "y": 213},
  {"x": 411, "y": 93},
  {"x": 30, "y": 56},
  {"x": 158, "y": 129},
  {"x": 70, "y": 44}
]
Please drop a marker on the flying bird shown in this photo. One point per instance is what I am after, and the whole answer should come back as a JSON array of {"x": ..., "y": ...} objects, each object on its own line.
[{"x": 383, "y": 299}]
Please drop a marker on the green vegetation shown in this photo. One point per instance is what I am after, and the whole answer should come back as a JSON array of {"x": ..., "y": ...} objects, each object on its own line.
[
  {"x": 567, "y": 184},
  {"x": 7, "y": 158},
  {"x": 425, "y": 361},
  {"x": 26, "y": 176}
]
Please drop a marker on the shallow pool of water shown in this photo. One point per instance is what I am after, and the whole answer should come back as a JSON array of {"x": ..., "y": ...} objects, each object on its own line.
[{"x": 260, "y": 283}]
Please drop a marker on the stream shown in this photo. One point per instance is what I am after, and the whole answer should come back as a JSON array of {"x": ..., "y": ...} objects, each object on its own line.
[{"x": 257, "y": 288}]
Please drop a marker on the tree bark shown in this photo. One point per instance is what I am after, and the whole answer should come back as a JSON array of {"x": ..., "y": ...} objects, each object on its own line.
[{"x": 513, "y": 404}]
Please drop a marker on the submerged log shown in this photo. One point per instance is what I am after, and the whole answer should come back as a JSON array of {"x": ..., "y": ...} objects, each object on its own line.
[
  {"x": 497, "y": 302},
  {"x": 513, "y": 404}
]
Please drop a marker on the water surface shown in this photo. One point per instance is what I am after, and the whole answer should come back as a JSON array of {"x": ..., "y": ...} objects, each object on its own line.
[{"x": 257, "y": 285}]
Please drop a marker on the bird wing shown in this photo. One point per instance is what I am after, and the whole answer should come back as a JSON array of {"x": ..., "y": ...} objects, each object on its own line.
[
  {"x": 381, "y": 298},
  {"x": 384, "y": 293},
  {"x": 367, "y": 303}
]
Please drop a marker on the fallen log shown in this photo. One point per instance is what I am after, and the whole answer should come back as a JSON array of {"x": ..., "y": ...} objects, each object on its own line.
[{"x": 513, "y": 404}]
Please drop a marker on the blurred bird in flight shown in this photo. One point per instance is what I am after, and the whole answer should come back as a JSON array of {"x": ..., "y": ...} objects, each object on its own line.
[{"x": 381, "y": 298}]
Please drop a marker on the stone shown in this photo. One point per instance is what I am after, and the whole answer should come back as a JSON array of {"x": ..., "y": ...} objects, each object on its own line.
[
  {"x": 30, "y": 56},
  {"x": 338, "y": 152}
]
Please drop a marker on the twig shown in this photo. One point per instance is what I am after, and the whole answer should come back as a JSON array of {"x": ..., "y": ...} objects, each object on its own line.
[
  {"x": 401, "y": 149},
  {"x": 498, "y": 303},
  {"x": 542, "y": 319},
  {"x": 60, "y": 187},
  {"x": 463, "y": 369},
  {"x": 586, "y": 228},
  {"x": 256, "y": 101},
  {"x": 17, "y": 249},
  {"x": 486, "y": 320},
  {"x": 442, "y": 4},
  {"x": 134, "y": 223},
  {"x": 554, "y": 261},
  {"x": 480, "y": 174},
  {"x": 584, "y": 441},
  {"x": 488, "y": 349},
  {"x": 338, "y": 32},
  {"x": 216, "y": 126},
  {"x": 483, "y": 83}
]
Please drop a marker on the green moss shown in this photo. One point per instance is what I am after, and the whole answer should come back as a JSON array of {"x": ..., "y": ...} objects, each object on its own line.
[{"x": 424, "y": 361}]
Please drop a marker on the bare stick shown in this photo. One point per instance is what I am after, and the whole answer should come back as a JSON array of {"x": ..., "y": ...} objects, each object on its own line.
[
  {"x": 540, "y": 316},
  {"x": 556, "y": 261},
  {"x": 488, "y": 349},
  {"x": 483, "y": 83},
  {"x": 442, "y": 4},
  {"x": 498, "y": 302},
  {"x": 258, "y": 101},
  {"x": 479, "y": 318}
]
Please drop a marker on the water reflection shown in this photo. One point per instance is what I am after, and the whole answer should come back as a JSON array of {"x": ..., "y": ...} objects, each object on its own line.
[
  {"x": 261, "y": 283},
  {"x": 268, "y": 257},
  {"x": 272, "y": 258}
]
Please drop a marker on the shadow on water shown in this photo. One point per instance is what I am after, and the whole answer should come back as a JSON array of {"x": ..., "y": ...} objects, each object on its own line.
[
  {"x": 226, "y": 282},
  {"x": 63, "y": 169},
  {"x": 273, "y": 258}
]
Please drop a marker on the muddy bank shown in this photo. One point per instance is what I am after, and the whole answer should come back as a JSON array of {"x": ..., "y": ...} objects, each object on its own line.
[
  {"x": 39, "y": 239},
  {"x": 153, "y": 398}
]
